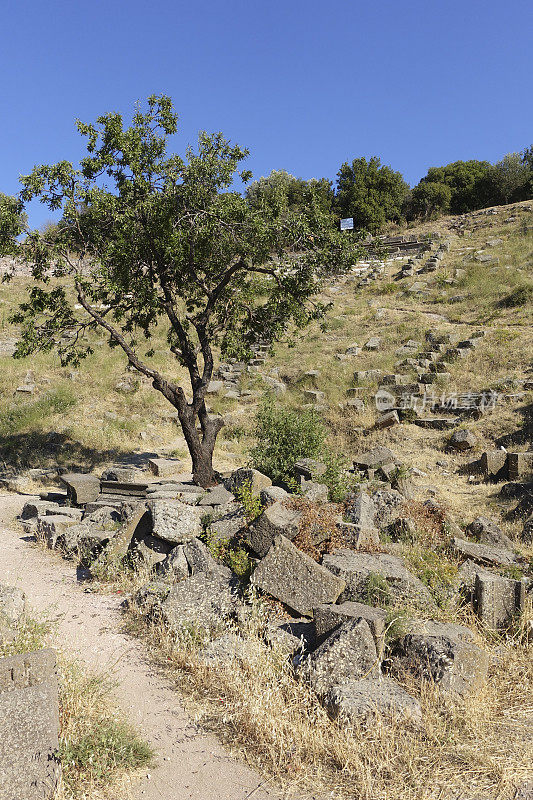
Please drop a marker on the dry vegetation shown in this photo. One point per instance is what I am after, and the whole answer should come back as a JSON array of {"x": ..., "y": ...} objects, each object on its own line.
[
  {"x": 263, "y": 714},
  {"x": 99, "y": 751},
  {"x": 483, "y": 747}
]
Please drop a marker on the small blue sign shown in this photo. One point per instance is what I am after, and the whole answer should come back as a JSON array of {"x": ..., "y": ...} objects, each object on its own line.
[{"x": 347, "y": 224}]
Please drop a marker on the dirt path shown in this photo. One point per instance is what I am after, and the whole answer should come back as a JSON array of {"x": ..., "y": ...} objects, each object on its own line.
[{"x": 190, "y": 764}]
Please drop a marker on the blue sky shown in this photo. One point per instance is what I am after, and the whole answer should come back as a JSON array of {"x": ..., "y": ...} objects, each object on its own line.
[{"x": 305, "y": 85}]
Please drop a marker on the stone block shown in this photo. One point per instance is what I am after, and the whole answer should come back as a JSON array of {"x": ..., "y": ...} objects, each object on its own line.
[
  {"x": 273, "y": 494},
  {"x": 247, "y": 477},
  {"x": 443, "y": 653},
  {"x": 203, "y": 602},
  {"x": 81, "y": 488},
  {"x": 519, "y": 465},
  {"x": 291, "y": 636},
  {"x": 497, "y": 600},
  {"x": 165, "y": 467},
  {"x": 493, "y": 463},
  {"x": 347, "y": 654},
  {"x": 387, "y": 420},
  {"x": 487, "y": 531},
  {"x": 174, "y": 521},
  {"x": 275, "y": 520},
  {"x": 309, "y": 468},
  {"x": 328, "y": 617},
  {"x": 362, "y": 700},
  {"x": 29, "y": 726},
  {"x": 357, "y": 570},
  {"x": 485, "y": 553},
  {"x": 294, "y": 578},
  {"x": 462, "y": 440}
]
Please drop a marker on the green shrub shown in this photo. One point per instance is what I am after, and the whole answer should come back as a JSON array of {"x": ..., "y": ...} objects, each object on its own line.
[
  {"x": 520, "y": 296},
  {"x": 283, "y": 437},
  {"x": 251, "y": 503},
  {"x": 337, "y": 478}
]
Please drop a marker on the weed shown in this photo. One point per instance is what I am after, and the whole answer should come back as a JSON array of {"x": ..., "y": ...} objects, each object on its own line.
[
  {"x": 377, "y": 591},
  {"x": 251, "y": 503}
]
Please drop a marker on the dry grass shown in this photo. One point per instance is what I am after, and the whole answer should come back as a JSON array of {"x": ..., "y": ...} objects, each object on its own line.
[
  {"x": 263, "y": 714},
  {"x": 99, "y": 751}
]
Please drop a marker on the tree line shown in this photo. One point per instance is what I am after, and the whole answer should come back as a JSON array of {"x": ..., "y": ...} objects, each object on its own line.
[{"x": 374, "y": 194}]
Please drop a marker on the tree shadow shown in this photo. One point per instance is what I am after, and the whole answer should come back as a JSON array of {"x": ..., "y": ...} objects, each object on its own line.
[{"x": 51, "y": 450}]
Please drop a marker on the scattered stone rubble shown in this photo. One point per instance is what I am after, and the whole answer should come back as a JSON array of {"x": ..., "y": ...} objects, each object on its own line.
[{"x": 338, "y": 606}]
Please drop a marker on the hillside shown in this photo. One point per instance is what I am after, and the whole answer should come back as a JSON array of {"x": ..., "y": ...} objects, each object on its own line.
[{"x": 100, "y": 413}]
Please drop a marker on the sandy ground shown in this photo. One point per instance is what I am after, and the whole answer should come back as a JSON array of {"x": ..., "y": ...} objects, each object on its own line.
[{"x": 190, "y": 764}]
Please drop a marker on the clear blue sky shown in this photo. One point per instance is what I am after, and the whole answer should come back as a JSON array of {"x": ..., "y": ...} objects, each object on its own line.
[{"x": 304, "y": 85}]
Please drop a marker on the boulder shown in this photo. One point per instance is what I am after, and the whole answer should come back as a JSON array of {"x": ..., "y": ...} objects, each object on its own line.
[
  {"x": 294, "y": 578},
  {"x": 247, "y": 477},
  {"x": 174, "y": 521},
  {"x": 165, "y": 467},
  {"x": 485, "y": 553},
  {"x": 151, "y": 551},
  {"x": 493, "y": 463},
  {"x": 52, "y": 528},
  {"x": 387, "y": 420},
  {"x": 462, "y": 440},
  {"x": 357, "y": 701},
  {"x": 443, "y": 653},
  {"x": 388, "y": 504},
  {"x": 309, "y": 468},
  {"x": 349, "y": 653},
  {"x": 328, "y": 617},
  {"x": 200, "y": 560},
  {"x": 487, "y": 531},
  {"x": 137, "y": 524},
  {"x": 315, "y": 492},
  {"x": 358, "y": 569},
  {"x": 374, "y": 343},
  {"x": 372, "y": 459},
  {"x": 497, "y": 600},
  {"x": 202, "y": 602},
  {"x": 274, "y": 521},
  {"x": 228, "y": 524}
]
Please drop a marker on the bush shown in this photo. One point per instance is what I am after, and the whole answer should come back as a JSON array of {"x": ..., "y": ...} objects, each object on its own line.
[
  {"x": 283, "y": 437},
  {"x": 520, "y": 296}
]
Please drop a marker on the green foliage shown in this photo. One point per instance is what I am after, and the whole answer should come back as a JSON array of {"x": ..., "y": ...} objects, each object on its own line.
[
  {"x": 230, "y": 553},
  {"x": 29, "y": 635},
  {"x": 470, "y": 184},
  {"x": 12, "y": 223},
  {"x": 251, "y": 503},
  {"x": 163, "y": 242},
  {"x": 94, "y": 741},
  {"x": 429, "y": 200},
  {"x": 280, "y": 193},
  {"x": 283, "y": 437},
  {"x": 434, "y": 570},
  {"x": 339, "y": 481},
  {"x": 370, "y": 193}
]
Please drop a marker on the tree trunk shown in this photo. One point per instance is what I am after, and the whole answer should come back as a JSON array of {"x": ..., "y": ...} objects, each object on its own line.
[{"x": 200, "y": 447}]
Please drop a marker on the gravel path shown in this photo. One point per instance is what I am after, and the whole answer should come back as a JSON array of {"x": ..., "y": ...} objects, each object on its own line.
[{"x": 190, "y": 764}]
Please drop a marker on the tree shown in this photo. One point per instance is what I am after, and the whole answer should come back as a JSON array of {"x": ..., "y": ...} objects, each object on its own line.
[
  {"x": 429, "y": 200},
  {"x": 151, "y": 239},
  {"x": 12, "y": 223},
  {"x": 470, "y": 183},
  {"x": 511, "y": 178},
  {"x": 370, "y": 193},
  {"x": 280, "y": 192}
]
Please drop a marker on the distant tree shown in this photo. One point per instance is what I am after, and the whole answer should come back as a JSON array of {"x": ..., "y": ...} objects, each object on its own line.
[
  {"x": 370, "y": 193},
  {"x": 12, "y": 223},
  {"x": 150, "y": 239},
  {"x": 511, "y": 178},
  {"x": 280, "y": 192},
  {"x": 471, "y": 184},
  {"x": 429, "y": 201},
  {"x": 527, "y": 160}
]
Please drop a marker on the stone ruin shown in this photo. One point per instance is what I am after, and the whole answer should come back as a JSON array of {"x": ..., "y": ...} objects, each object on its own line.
[{"x": 333, "y": 629}]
